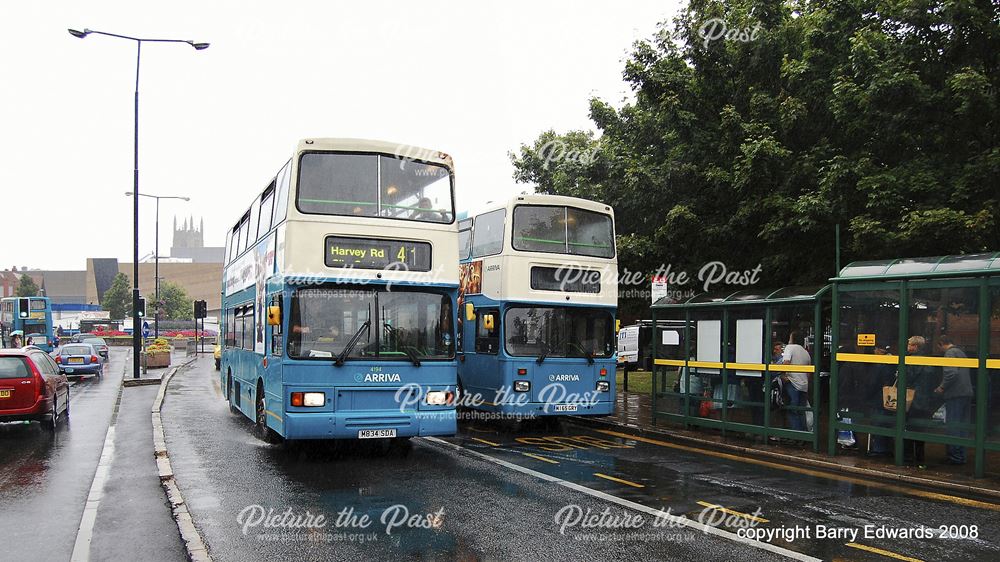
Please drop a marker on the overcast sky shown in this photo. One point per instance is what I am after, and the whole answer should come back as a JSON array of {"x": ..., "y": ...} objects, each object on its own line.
[{"x": 474, "y": 79}]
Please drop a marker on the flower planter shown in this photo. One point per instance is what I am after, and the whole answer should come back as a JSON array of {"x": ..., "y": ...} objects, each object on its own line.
[{"x": 157, "y": 359}]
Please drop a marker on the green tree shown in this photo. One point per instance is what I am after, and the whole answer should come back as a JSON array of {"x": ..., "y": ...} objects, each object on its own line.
[
  {"x": 27, "y": 287},
  {"x": 118, "y": 298},
  {"x": 879, "y": 116},
  {"x": 177, "y": 305}
]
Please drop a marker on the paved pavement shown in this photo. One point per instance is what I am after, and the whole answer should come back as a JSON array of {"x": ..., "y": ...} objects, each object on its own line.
[
  {"x": 633, "y": 412},
  {"x": 134, "y": 504}
]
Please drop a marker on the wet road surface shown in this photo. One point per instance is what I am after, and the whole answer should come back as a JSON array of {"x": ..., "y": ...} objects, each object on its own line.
[
  {"x": 45, "y": 477},
  {"x": 506, "y": 504}
]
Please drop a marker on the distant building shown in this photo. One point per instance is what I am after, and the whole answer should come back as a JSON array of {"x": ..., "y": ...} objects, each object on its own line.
[
  {"x": 189, "y": 244},
  {"x": 196, "y": 268}
]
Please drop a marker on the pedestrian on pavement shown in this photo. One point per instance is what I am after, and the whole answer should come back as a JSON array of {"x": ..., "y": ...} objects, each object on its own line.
[
  {"x": 15, "y": 341},
  {"x": 880, "y": 375},
  {"x": 956, "y": 389},
  {"x": 923, "y": 380},
  {"x": 797, "y": 384}
]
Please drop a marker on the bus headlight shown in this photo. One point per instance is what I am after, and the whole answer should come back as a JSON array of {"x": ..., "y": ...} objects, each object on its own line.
[
  {"x": 308, "y": 399},
  {"x": 522, "y": 386},
  {"x": 603, "y": 386},
  {"x": 314, "y": 399},
  {"x": 438, "y": 398}
]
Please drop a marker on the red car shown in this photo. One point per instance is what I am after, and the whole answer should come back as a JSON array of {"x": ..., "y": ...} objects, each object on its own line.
[{"x": 31, "y": 387}]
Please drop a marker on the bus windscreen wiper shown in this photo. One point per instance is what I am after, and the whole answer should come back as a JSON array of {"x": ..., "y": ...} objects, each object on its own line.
[
  {"x": 586, "y": 353},
  {"x": 412, "y": 356},
  {"x": 350, "y": 345},
  {"x": 543, "y": 354}
]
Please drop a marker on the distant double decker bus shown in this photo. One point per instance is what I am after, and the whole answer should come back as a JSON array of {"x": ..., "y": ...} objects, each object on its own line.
[
  {"x": 339, "y": 296},
  {"x": 538, "y": 299},
  {"x": 31, "y": 317}
]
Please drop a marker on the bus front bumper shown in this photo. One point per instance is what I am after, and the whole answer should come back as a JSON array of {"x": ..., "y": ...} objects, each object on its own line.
[{"x": 356, "y": 423}]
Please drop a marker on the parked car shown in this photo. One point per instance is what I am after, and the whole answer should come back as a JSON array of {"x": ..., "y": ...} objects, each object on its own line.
[
  {"x": 32, "y": 388},
  {"x": 77, "y": 338},
  {"x": 99, "y": 344},
  {"x": 78, "y": 359}
]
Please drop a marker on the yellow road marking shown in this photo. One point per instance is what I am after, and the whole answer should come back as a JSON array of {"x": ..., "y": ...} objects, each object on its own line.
[
  {"x": 731, "y": 512},
  {"x": 811, "y": 472},
  {"x": 619, "y": 480},
  {"x": 540, "y": 457},
  {"x": 485, "y": 441},
  {"x": 886, "y": 553}
]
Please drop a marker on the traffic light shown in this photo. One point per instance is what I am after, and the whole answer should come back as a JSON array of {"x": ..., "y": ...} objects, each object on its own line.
[
  {"x": 23, "y": 308},
  {"x": 142, "y": 307},
  {"x": 200, "y": 309}
]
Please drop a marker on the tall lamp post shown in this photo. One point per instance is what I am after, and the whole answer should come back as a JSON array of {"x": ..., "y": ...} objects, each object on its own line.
[
  {"x": 156, "y": 254},
  {"x": 136, "y": 333}
]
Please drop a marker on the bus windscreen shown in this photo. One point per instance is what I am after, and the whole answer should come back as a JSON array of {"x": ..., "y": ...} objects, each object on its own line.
[{"x": 374, "y": 185}]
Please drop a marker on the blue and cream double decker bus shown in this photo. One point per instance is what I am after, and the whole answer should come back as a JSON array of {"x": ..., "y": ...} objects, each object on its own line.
[
  {"x": 539, "y": 292},
  {"x": 339, "y": 295},
  {"x": 28, "y": 317}
]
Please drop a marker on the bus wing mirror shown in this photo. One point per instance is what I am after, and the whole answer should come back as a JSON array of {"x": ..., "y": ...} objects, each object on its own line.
[
  {"x": 470, "y": 311},
  {"x": 274, "y": 316},
  {"x": 488, "y": 322}
]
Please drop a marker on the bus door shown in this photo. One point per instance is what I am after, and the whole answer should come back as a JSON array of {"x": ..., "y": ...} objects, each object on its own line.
[
  {"x": 274, "y": 343},
  {"x": 481, "y": 371}
]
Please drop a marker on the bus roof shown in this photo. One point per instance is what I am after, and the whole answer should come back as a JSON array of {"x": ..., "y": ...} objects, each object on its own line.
[
  {"x": 377, "y": 146},
  {"x": 545, "y": 199}
]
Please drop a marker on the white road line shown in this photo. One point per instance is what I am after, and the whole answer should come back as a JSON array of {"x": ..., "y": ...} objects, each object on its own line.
[
  {"x": 675, "y": 520},
  {"x": 85, "y": 533}
]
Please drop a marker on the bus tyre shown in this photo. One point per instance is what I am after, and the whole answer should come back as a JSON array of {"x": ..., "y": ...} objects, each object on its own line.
[
  {"x": 264, "y": 433},
  {"x": 229, "y": 394}
]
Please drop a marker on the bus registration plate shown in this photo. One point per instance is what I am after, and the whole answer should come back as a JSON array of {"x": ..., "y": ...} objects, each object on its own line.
[
  {"x": 376, "y": 433},
  {"x": 565, "y": 407}
]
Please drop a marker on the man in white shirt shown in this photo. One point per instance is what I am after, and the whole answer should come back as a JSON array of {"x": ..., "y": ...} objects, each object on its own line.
[{"x": 797, "y": 387}]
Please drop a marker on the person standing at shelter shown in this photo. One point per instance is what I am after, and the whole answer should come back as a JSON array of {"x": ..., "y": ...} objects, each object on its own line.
[
  {"x": 797, "y": 384},
  {"x": 956, "y": 389},
  {"x": 922, "y": 380}
]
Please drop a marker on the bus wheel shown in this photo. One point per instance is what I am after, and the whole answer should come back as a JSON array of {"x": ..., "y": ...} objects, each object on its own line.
[
  {"x": 264, "y": 433},
  {"x": 229, "y": 393}
]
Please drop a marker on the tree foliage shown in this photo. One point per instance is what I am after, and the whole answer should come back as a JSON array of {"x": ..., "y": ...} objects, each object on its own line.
[
  {"x": 26, "y": 287},
  {"x": 118, "y": 298},
  {"x": 878, "y": 116},
  {"x": 177, "y": 305}
]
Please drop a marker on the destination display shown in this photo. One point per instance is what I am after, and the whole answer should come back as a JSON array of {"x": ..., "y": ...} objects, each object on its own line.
[{"x": 375, "y": 253}]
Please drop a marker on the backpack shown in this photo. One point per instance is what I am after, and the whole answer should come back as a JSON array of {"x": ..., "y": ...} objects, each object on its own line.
[{"x": 777, "y": 393}]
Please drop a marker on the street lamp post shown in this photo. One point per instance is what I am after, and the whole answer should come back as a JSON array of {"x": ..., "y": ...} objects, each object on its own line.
[
  {"x": 156, "y": 255},
  {"x": 136, "y": 334}
]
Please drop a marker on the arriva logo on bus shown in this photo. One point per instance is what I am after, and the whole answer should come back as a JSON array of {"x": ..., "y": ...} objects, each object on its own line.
[{"x": 377, "y": 377}]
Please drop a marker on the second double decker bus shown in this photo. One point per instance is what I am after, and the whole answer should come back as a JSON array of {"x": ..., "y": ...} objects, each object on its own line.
[
  {"x": 539, "y": 293},
  {"x": 339, "y": 295},
  {"x": 30, "y": 318}
]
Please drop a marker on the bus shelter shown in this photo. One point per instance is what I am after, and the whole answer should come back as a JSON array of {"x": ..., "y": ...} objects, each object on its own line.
[
  {"x": 717, "y": 366},
  {"x": 930, "y": 326}
]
